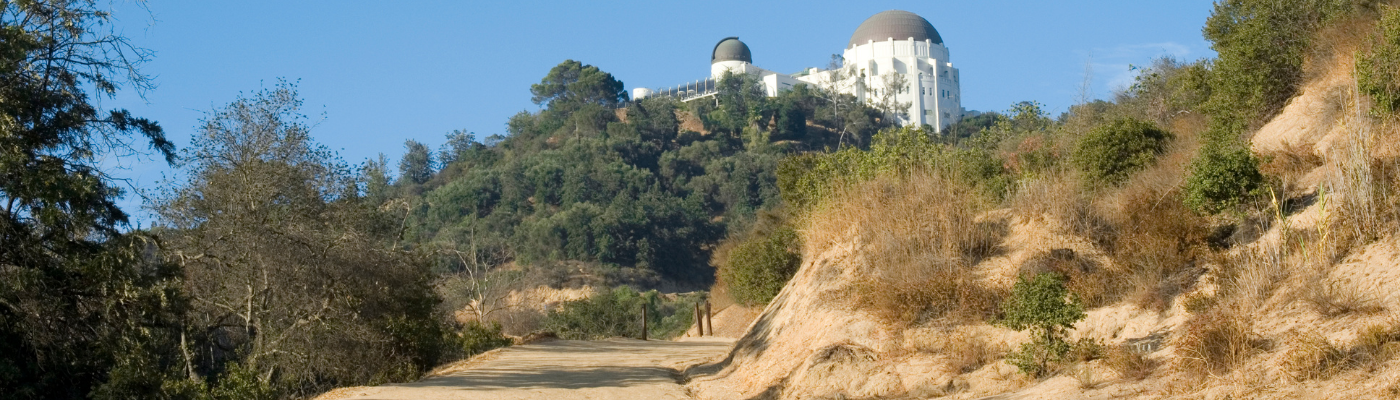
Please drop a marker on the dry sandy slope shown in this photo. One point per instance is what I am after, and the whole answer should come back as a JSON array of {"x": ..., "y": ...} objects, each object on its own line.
[{"x": 560, "y": 369}]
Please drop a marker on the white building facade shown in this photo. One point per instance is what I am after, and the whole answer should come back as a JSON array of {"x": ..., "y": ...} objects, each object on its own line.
[{"x": 896, "y": 60}]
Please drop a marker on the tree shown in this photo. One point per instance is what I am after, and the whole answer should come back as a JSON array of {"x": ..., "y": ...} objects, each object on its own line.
[
  {"x": 1042, "y": 305},
  {"x": 891, "y": 86},
  {"x": 416, "y": 167},
  {"x": 85, "y": 309},
  {"x": 572, "y": 84},
  {"x": 290, "y": 274},
  {"x": 459, "y": 142}
]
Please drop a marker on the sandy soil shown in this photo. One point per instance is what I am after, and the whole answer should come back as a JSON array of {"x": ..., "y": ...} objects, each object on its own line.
[{"x": 560, "y": 369}]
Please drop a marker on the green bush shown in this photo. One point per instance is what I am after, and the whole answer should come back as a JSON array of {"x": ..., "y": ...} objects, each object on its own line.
[
  {"x": 476, "y": 338},
  {"x": 1112, "y": 152},
  {"x": 618, "y": 313},
  {"x": 1224, "y": 175},
  {"x": 1377, "y": 71},
  {"x": 758, "y": 268},
  {"x": 1044, "y": 306}
]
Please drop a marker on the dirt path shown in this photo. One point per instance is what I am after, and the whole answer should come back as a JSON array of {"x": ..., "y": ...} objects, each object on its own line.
[{"x": 561, "y": 369}]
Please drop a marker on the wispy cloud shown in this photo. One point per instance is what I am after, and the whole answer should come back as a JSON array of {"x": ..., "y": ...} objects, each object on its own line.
[{"x": 1113, "y": 68}]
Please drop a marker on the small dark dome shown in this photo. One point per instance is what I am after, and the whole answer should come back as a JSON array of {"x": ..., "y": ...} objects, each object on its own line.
[
  {"x": 900, "y": 25},
  {"x": 731, "y": 49}
]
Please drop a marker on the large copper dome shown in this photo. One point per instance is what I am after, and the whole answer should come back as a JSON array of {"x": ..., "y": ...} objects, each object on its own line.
[
  {"x": 900, "y": 25},
  {"x": 731, "y": 49}
]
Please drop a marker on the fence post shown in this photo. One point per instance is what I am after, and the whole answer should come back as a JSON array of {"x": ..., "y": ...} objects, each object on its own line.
[
  {"x": 644, "y": 322},
  {"x": 709, "y": 321},
  {"x": 699, "y": 322}
]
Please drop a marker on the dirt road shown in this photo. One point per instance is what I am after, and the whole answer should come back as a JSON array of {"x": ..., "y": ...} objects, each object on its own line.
[{"x": 561, "y": 369}]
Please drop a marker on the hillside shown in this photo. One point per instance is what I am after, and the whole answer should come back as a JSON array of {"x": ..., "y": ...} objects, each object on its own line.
[{"x": 1288, "y": 296}]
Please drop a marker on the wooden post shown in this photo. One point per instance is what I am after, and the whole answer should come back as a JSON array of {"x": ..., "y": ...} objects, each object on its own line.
[
  {"x": 708, "y": 318},
  {"x": 699, "y": 322},
  {"x": 644, "y": 322}
]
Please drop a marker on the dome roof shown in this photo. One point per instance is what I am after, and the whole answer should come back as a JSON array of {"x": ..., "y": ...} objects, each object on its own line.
[
  {"x": 900, "y": 25},
  {"x": 731, "y": 49}
]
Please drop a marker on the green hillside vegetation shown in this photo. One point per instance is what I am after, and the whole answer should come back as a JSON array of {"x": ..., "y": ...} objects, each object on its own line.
[{"x": 621, "y": 189}]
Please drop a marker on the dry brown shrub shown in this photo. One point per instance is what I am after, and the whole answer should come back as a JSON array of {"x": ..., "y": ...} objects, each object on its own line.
[
  {"x": 919, "y": 236},
  {"x": 1160, "y": 243},
  {"x": 1337, "y": 43},
  {"x": 1374, "y": 346},
  {"x": 1215, "y": 342},
  {"x": 1290, "y": 163},
  {"x": 1129, "y": 363},
  {"x": 944, "y": 294},
  {"x": 1062, "y": 198},
  {"x": 966, "y": 352},
  {"x": 1332, "y": 299},
  {"x": 1313, "y": 357}
]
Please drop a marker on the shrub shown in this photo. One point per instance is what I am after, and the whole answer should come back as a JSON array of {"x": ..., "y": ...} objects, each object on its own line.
[
  {"x": 1128, "y": 363},
  {"x": 1333, "y": 300},
  {"x": 1216, "y": 342},
  {"x": 1108, "y": 154},
  {"x": 1313, "y": 357},
  {"x": 1224, "y": 175},
  {"x": 476, "y": 338},
  {"x": 1044, "y": 306},
  {"x": 758, "y": 268},
  {"x": 1378, "y": 71}
]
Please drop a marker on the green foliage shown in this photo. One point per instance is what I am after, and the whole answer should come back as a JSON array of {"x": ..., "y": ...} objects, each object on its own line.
[
  {"x": 573, "y": 182},
  {"x": 1261, "y": 46},
  {"x": 1167, "y": 88},
  {"x": 87, "y": 308},
  {"x": 618, "y": 313},
  {"x": 476, "y": 338},
  {"x": 239, "y": 382},
  {"x": 417, "y": 164},
  {"x": 1378, "y": 71},
  {"x": 1224, "y": 175},
  {"x": 1044, "y": 306},
  {"x": 758, "y": 268},
  {"x": 1110, "y": 153},
  {"x": 572, "y": 84}
]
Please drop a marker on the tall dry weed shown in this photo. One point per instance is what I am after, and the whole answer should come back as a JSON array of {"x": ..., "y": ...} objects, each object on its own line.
[
  {"x": 1314, "y": 357},
  {"x": 1161, "y": 240},
  {"x": 920, "y": 236},
  {"x": 1213, "y": 343}
]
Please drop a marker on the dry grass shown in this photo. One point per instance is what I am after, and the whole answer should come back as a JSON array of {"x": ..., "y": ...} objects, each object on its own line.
[
  {"x": 920, "y": 238},
  {"x": 1290, "y": 164},
  {"x": 1216, "y": 342},
  {"x": 966, "y": 352},
  {"x": 1160, "y": 244},
  {"x": 1314, "y": 357},
  {"x": 1332, "y": 299},
  {"x": 1128, "y": 363}
]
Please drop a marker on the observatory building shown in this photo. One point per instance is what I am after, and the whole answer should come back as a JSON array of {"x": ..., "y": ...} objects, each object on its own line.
[{"x": 894, "y": 58}]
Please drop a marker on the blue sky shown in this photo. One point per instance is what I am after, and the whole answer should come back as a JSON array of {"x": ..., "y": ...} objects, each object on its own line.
[{"x": 374, "y": 74}]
